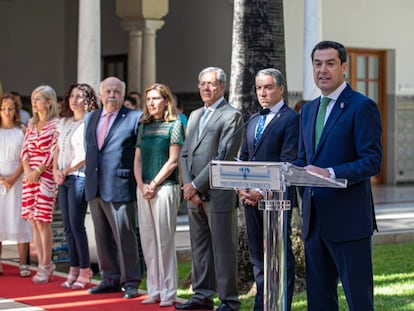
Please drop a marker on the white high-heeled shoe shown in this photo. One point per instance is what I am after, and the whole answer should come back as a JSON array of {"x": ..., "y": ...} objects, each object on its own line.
[
  {"x": 72, "y": 276},
  {"x": 83, "y": 279},
  {"x": 44, "y": 274}
]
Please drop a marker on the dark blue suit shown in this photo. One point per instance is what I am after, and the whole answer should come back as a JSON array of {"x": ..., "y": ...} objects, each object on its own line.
[
  {"x": 111, "y": 192},
  {"x": 278, "y": 143},
  {"x": 338, "y": 223}
]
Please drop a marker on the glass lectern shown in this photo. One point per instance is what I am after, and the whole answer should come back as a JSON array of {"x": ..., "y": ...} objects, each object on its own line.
[{"x": 272, "y": 178}]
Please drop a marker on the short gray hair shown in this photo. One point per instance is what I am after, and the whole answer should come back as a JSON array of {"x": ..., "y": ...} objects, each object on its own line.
[
  {"x": 123, "y": 86},
  {"x": 221, "y": 75},
  {"x": 275, "y": 73}
]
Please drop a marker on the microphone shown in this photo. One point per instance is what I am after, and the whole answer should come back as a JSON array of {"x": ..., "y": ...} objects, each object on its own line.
[{"x": 223, "y": 151}]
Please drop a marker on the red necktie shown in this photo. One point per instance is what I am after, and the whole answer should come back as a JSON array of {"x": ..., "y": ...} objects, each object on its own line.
[{"x": 104, "y": 129}]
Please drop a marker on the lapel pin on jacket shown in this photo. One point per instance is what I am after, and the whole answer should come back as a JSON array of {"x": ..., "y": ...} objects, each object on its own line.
[
  {"x": 123, "y": 115},
  {"x": 342, "y": 105}
]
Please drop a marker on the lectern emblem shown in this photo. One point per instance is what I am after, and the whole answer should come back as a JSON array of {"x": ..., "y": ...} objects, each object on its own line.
[{"x": 245, "y": 171}]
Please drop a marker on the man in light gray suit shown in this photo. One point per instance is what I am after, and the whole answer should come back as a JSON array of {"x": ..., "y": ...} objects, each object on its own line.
[
  {"x": 110, "y": 189},
  {"x": 211, "y": 134}
]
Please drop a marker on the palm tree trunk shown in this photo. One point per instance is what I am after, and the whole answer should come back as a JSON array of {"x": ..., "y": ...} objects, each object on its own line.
[{"x": 258, "y": 43}]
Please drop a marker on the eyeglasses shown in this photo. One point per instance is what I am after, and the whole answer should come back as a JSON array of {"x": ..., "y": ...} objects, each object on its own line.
[
  {"x": 209, "y": 84},
  {"x": 7, "y": 109}
]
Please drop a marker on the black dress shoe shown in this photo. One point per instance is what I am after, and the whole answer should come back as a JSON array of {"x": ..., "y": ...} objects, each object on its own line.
[
  {"x": 223, "y": 307},
  {"x": 130, "y": 292},
  {"x": 193, "y": 305},
  {"x": 104, "y": 288}
]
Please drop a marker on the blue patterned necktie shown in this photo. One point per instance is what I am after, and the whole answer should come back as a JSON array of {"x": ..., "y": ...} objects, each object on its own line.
[
  {"x": 260, "y": 128},
  {"x": 320, "y": 119}
]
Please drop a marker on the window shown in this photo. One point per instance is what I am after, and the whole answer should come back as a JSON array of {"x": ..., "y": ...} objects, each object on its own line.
[{"x": 115, "y": 65}]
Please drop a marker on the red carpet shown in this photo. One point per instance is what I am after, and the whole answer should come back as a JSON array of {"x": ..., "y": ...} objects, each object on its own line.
[{"x": 51, "y": 297}]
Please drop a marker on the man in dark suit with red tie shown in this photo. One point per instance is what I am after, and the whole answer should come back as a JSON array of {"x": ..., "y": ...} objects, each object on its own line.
[
  {"x": 269, "y": 137},
  {"x": 340, "y": 138}
]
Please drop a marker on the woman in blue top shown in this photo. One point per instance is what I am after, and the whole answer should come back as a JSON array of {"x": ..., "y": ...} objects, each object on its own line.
[{"x": 159, "y": 143}]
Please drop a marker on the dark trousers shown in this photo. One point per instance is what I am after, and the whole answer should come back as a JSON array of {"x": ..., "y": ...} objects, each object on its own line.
[
  {"x": 327, "y": 262},
  {"x": 72, "y": 203},
  {"x": 254, "y": 228}
]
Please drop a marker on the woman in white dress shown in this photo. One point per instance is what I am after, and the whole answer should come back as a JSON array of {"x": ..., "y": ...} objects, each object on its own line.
[{"x": 12, "y": 226}]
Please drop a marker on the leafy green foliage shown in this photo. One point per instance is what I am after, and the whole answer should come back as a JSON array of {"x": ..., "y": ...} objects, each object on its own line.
[{"x": 393, "y": 281}]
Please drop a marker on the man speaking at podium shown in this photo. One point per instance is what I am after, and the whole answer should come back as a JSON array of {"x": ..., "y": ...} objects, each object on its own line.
[
  {"x": 340, "y": 138},
  {"x": 271, "y": 135}
]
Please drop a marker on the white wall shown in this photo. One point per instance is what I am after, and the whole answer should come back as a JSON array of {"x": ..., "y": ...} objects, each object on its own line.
[
  {"x": 373, "y": 24},
  {"x": 293, "y": 11}
]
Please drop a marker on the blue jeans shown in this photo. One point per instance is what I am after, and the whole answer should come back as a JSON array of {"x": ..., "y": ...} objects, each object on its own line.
[{"x": 72, "y": 203}]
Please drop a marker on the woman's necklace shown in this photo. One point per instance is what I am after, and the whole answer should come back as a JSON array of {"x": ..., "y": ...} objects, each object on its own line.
[{"x": 68, "y": 135}]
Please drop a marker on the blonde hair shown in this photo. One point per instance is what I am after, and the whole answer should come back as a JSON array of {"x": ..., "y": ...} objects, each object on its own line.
[
  {"x": 170, "y": 114},
  {"x": 50, "y": 95}
]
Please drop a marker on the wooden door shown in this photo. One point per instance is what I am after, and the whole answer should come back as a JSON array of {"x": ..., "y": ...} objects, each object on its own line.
[{"x": 367, "y": 74}]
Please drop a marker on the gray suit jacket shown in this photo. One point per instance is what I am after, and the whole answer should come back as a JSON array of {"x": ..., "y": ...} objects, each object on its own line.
[{"x": 199, "y": 151}]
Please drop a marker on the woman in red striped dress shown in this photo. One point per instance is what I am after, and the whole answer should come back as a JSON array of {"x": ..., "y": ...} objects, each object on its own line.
[{"x": 39, "y": 188}]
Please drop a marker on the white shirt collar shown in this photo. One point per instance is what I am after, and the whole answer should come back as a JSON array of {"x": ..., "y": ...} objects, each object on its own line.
[
  {"x": 214, "y": 106},
  {"x": 335, "y": 94},
  {"x": 275, "y": 109}
]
